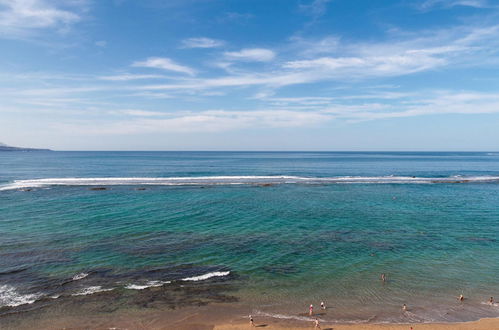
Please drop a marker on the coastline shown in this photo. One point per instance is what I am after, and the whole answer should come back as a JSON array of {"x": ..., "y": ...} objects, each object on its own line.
[
  {"x": 482, "y": 324},
  {"x": 217, "y": 316}
]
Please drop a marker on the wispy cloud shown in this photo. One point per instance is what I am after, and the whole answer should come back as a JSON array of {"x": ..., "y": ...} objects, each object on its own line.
[
  {"x": 164, "y": 63},
  {"x": 429, "y": 4},
  {"x": 235, "y": 17},
  {"x": 101, "y": 43},
  {"x": 129, "y": 76},
  {"x": 203, "y": 121},
  {"x": 137, "y": 121},
  {"x": 20, "y": 17},
  {"x": 251, "y": 55},
  {"x": 316, "y": 8},
  {"x": 202, "y": 43}
]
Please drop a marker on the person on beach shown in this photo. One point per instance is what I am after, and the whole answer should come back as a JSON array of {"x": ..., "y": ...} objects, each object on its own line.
[
  {"x": 491, "y": 300},
  {"x": 404, "y": 307},
  {"x": 323, "y": 306},
  {"x": 311, "y": 310},
  {"x": 251, "y": 321},
  {"x": 461, "y": 297},
  {"x": 317, "y": 325}
]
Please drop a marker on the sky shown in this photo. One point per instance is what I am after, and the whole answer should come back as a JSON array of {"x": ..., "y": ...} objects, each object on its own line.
[{"x": 250, "y": 74}]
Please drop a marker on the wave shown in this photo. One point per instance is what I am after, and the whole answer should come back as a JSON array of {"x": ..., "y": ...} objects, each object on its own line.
[
  {"x": 206, "y": 276},
  {"x": 9, "y": 296},
  {"x": 149, "y": 284},
  {"x": 239, "y": 180},
  {"x": 90, "y": 290},
  {"x": 288, "y": 317},
  {"x": 79, "y": 276}
]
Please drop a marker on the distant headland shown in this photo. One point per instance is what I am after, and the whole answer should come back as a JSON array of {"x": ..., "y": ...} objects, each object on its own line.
[{"x": 4, "y": 147}]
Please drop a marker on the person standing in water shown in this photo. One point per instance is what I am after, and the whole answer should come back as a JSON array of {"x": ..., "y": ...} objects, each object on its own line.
[
  {"x": 383, "y": 277},
  {"x": 461, "y": 297},
  {"x": 404, "y": 307},
  {"x": 317, "y": 325},
  {"x": 491, "y": 300},
  {"x": 323, "y": 306},
  {"x": 311, "y": 310}
]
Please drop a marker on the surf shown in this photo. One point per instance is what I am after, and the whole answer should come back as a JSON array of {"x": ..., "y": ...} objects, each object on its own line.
[{"x": 239, "y": 180}]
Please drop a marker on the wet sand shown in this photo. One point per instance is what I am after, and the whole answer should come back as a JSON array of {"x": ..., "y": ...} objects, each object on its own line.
[
  {"x": 218, "y": 316},
  {"x": 484, "y": 324}
]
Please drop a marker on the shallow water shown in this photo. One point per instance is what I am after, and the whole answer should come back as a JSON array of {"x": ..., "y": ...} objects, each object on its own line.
[{"x": 276, "y": 231}]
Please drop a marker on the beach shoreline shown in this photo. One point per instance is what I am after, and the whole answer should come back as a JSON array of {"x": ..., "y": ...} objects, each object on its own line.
[
  {"x": 216, "y": 316},
  {"x": 482, "y": 324}
]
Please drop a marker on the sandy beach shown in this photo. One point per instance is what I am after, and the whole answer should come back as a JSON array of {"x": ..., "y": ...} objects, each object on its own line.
[
  {"x": 484, "y": 324},
  {"x": 209, "y": 317}
]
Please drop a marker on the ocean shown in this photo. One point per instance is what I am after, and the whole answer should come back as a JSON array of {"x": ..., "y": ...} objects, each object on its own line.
[{"x": 271, "y": 232}]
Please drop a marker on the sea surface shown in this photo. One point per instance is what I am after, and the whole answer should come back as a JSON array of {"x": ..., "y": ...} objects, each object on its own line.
[{"x": 271, "y": 231}]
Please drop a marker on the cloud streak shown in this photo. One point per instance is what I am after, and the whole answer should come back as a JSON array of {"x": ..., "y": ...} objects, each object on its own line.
[
  {"x": 429, "y": 4},
  {"x": 21, "y": 17},
  {"x": 251, "y": 55},
  {"x": 201, "y": 43},
  {"x": 164, "y": 63}
]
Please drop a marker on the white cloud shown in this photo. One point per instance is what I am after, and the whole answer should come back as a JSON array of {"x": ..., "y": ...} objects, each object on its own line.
[
  {"x": 203, "y": 121},
  {"x": 428, "y": 4},
  {"x": 316, "y": 8},
  {"x": 128, "y": 76},
  {"x": 20, "y": 17},
  {"x": 101, "y": 43},
  {"x": 312, "y": 47},
  {"x": 251, "y": 55},
  {"x": 137, "y": 121},
  {"x": 140, "y": 113},
  {"x": 201, "y": 43},
  {"x": 397, "y": 64},
  {"x": 164, "y": 63},
  {"x": 440, "y": 103}
]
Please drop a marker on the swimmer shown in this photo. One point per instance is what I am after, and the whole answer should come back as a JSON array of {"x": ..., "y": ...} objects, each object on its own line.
[
  {"x": 311, "y": 310},
  {"x": 251, "y": 321},
  {"x": 323, "y": 306},
  {"x": 491, "y": 300},
  {"x": 461, "y": 297},
  {"x": 317, "y": 325},
  {"x": 404, "y": 307}
]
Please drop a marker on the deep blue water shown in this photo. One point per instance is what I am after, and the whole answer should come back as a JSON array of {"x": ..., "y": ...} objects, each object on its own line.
[{"x": 286, "y": 229}]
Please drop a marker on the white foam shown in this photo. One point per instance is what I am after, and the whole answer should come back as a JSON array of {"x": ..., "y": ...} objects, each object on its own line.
[
  {"x": 79, "y": 276},
  {"x": 234, "y": 180},
  {"x": 10, "y": 297},
  {"x": 90, "y": 290},
  {"x": 288, "y": 317},
  {"x": 206, "y": 276},
  {"x": 149, "y": 284}
]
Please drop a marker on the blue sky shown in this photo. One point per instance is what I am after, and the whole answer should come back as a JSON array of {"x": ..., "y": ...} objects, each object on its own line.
[{"x": 250, "y": 74}]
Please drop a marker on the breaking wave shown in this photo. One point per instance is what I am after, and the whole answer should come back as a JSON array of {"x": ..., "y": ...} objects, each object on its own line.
[
  {"x": 9, "y": 296},
  {"x": 206, "y": 276},
  {"x": 240, "y": 180},
  {"x": 90, "y": 290},
  {"x": 79, "y": 276},
  {"x": 149, "y": 284}
]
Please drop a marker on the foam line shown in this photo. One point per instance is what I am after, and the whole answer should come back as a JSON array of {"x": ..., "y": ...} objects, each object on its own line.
[
  {"x": 206, "y": 276},
  {"x": 241, "y": 180}
]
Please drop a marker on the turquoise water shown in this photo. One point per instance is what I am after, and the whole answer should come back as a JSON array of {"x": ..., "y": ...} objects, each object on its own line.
[{"x": 284, "y": 229}]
